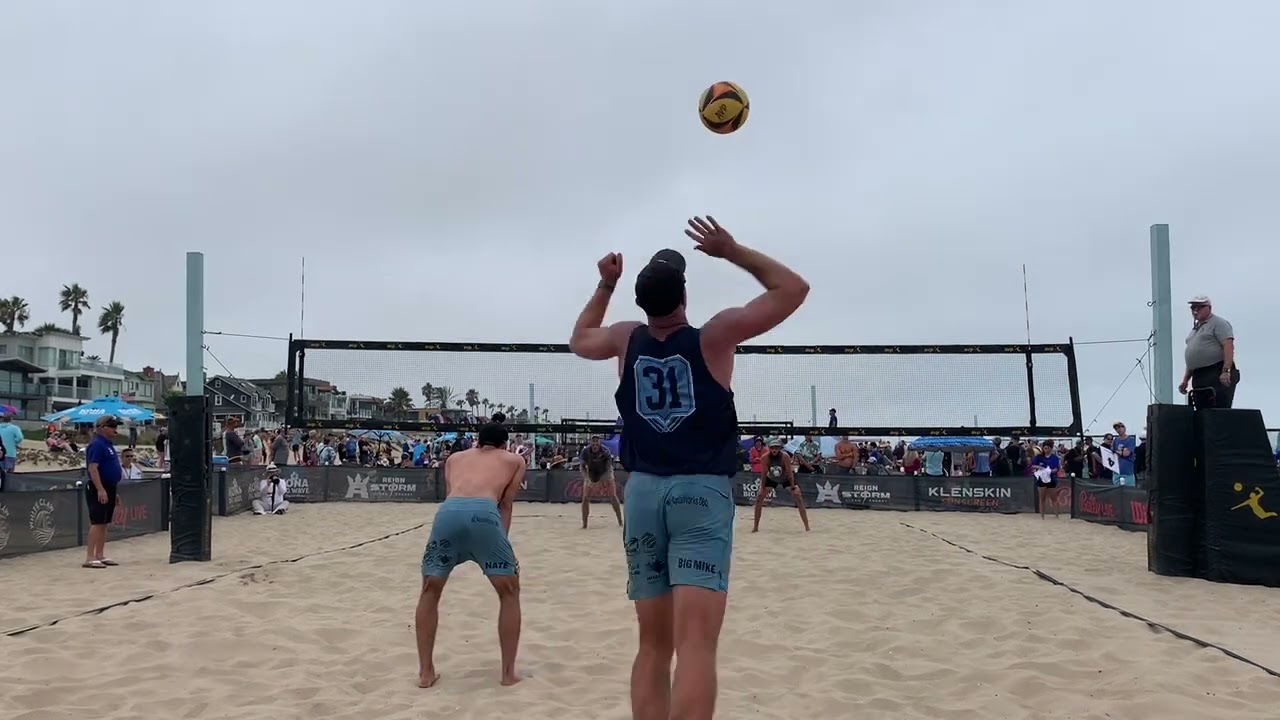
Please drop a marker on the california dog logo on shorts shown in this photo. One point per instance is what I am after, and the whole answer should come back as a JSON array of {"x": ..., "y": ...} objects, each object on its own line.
[
  {"x": 40, "y": 522},
  {"x": 4, "y": 526}
]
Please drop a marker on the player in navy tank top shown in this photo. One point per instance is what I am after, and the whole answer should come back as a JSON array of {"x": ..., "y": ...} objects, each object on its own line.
[{"x": 679, "y": 440}]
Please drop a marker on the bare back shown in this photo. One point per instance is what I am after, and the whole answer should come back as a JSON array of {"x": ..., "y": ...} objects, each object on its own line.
[{"x": 483, "y": 472}]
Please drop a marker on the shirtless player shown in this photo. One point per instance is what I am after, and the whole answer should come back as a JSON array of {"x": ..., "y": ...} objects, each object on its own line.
[
  {"x": 680, "y": 442},
  {"x": 776, "y": 469},
  {"x": 472, "y": 524}
]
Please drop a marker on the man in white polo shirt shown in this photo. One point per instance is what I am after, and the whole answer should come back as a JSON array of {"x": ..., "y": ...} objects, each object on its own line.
[{"x": 1211, "y": 369}]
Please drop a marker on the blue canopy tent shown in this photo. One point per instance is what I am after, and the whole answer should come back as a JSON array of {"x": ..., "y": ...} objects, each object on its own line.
[
  {"x": 102, "y": 407},
  {"x": 952, "y": 444}
]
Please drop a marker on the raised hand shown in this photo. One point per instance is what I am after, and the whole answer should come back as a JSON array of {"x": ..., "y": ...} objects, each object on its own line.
[
  {"x": 610, "y": 267},
  {"x": 712, "y": 239}
]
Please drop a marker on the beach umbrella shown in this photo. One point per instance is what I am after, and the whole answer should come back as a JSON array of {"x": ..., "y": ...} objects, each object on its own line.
[
  {"x": 8, "y": 410},
  {"x": 952, "y": 444},
  {"x": 102, "y": 407},
  {"x": 379, "y": 435}
]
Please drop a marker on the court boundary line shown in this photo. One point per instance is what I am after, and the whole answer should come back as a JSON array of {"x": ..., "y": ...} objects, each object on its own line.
[
  {"x": 1154, "y": 625},
  {"x": 16, "y": 632}
]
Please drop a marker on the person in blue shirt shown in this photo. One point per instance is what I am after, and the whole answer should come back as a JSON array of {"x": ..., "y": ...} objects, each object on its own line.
[
  {"x": 680, "y": 442},
  {"x": 933, "y": 463},
  {"x": 1044, "y": 468},
  {"x": 1125, "y": 446},
  {"x": 100, "y": 493},
  {"x": 11, "y": 436},
  {"x": 981, "y": 463}
]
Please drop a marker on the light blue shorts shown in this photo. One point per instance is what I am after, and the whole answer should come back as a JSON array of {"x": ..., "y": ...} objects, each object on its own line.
[
  {"x": 1120, "y": 480},
  {"x": 677, "y": 531},
  {"x": 468, "y": 529}
]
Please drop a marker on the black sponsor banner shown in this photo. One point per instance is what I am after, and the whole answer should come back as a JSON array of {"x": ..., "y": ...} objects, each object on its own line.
[
  {"x": 871, "y": 492},
  {"x": 41, "y": 481},
  {"x": 306, "y": 484},
  {"x": 357, "y": 484},
  {"x": 1124, "y": 507},
  {"x": 139, "y": 510},
  {"x": 534, "y": 487},
  {"x": 240, "y": 485},
  {"x": 569, "y": 486},
  {"x": 36, "y": 521},
  {"x": 969, "y": 494}
]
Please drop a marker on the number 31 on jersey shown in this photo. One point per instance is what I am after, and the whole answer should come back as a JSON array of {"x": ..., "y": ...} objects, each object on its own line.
[{"x": 664, "y": 391}]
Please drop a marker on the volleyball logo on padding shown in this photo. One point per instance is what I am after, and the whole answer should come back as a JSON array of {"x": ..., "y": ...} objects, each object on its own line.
[{"x": 41, "y": 522}]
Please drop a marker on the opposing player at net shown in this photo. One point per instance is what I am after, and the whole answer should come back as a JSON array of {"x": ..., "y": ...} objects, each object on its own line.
[
  {"x": 680, "y": 442},
  {"x": 597, "y": 476},
  {"x": 777, "y": 471},
  {"x": 472, "y": 524}
]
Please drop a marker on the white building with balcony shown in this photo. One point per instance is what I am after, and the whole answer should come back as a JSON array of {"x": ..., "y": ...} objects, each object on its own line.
[{"x": 69, "y": 378}]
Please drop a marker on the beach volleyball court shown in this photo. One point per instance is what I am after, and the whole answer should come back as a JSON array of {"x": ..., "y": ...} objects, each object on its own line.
[{"x": 872, "y": 615}]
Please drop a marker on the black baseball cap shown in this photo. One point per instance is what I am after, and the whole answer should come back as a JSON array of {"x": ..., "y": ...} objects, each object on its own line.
[{"x": 660, "y": 284}]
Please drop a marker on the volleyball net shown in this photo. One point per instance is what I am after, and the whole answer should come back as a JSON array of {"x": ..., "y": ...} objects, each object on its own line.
[{"x": 896, "y": 390}]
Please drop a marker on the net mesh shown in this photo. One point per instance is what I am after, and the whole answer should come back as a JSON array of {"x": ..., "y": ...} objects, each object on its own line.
[{"x": 934, "y": 390}]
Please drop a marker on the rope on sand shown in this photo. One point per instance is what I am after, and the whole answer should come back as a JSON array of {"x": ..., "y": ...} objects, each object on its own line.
[{"x": 1159, "y": 627}]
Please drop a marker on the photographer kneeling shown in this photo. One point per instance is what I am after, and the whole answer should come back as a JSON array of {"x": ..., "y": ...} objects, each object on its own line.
[{"x": 270, "y": 500}]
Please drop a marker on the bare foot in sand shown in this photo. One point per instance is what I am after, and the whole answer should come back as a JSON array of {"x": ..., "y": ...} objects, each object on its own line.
[
  {"x": 511, "y": 678},
  {"x": 427, "y": 679}
]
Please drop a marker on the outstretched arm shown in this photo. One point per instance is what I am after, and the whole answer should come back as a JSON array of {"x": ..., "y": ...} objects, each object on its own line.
[
  {"x": 589, "y": 339},
  {"x": 784, "y": 290}
]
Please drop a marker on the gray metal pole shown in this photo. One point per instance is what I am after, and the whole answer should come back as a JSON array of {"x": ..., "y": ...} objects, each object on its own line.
[
  {"x": 1162, "y": 367},
  {"x": 195, "y": 323},
  {"x": 813, "y": 405},
  {"x": 532, "y": 404}
]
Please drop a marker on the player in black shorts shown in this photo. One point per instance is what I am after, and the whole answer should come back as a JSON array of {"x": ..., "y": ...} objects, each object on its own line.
[{"x": 776, "y": 470}]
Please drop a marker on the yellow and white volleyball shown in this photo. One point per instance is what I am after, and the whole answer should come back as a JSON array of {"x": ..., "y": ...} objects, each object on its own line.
[{"x": 723, "y": 108}]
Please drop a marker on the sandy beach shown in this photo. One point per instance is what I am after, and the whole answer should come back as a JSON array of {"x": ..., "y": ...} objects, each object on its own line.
[{"x": 866, "y": 617}]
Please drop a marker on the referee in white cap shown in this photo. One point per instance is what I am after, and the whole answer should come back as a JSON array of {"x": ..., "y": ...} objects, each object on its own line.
[{"x": 1210, "y": 357}]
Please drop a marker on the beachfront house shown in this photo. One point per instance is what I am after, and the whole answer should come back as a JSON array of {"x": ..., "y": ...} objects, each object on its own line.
[
  {"x": 229, "y": 397},
  {"x": 321, "y": 399},
  {"x": 141, "y": 388},
  {"x": 18, "y": 389},
  {"x": 364, "y": 407},
  {"x": 66, "y": 377}
]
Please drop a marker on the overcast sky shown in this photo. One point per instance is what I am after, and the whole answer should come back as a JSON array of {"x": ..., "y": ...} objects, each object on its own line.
[{"x": 453, "y": 171}]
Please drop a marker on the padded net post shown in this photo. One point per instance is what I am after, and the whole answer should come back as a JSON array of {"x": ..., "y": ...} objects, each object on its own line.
[{"x": 191, "y": 517}]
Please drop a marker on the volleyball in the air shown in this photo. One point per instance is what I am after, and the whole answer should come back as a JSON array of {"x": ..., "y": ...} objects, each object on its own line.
[{"x": 723, "y": 108}]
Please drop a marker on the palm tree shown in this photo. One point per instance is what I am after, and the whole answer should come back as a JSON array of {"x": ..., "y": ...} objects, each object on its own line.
[
  {"x": 428, "y": 393},
  {"x": 546, "y": 415},
  {"x": 75, "y": 300},
  {"x": 111, "y": 322},
  {"x": 51, "y": 327},
  {"x": 400, "y": 401},
  {"x": 459, "y": 403},
  {"x": 93, "y": 358},
  {"x": 473, "y": 400},
  {"x": 484, "y": 403},
  {"x": 14, "y": 313},
  {"x": 445, "y": 395}
]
